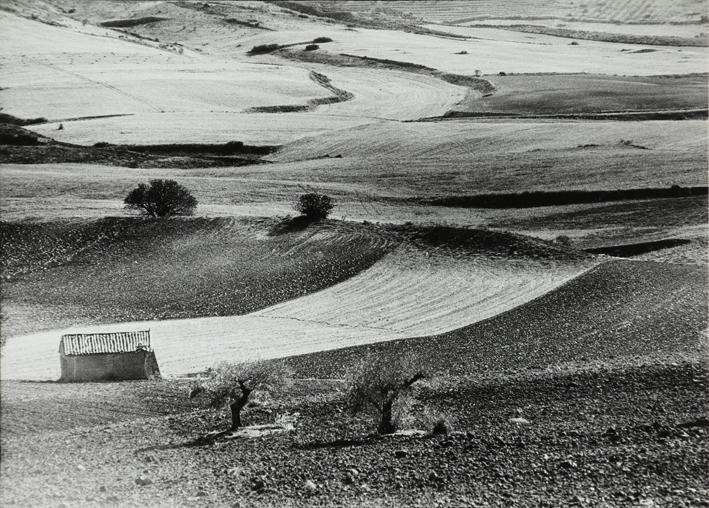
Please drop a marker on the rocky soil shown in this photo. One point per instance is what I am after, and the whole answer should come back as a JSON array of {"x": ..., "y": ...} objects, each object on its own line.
[{"x": 624, "y": 434}]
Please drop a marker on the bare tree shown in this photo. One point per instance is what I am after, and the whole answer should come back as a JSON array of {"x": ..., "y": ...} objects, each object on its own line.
[
  {"x": 379, "y": 382},
  {"x": 233, "y": 383}
]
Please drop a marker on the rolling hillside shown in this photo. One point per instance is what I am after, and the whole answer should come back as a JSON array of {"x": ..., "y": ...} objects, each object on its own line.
[
  {"x": 618, "y": 312},
  {"x": 435, "y": 280}
]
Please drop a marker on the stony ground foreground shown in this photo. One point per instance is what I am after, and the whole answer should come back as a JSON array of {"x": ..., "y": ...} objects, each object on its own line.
[{"x": 614, "y": 435}]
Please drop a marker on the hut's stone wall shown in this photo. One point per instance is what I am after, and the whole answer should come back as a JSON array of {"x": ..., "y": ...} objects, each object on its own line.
[{"x": 109, "y": 366}]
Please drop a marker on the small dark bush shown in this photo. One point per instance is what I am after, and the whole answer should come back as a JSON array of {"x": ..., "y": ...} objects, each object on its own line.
[
  {"x": 314, "y": 206},
  {"x": 322, "y": 39},
  {"x": 441, "y": 427},
  {"x": 573, "y": 43},
  {"x": 311, "y": 47},
  {"x": 502, "y": 73},
  {"x": 563, "y": 240},
  {"x": 463, "y": 52}
]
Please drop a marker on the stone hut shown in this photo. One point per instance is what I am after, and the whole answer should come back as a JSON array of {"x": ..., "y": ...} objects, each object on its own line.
[{"x": 107, "y": 356}]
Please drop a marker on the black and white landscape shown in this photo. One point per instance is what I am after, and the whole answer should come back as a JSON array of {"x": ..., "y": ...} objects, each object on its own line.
[{"x": 431, "y": 253}]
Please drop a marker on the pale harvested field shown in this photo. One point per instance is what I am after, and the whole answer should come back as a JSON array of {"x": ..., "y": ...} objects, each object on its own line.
[
  {"x": 495, "y": 50},
  {"x": 466, "y": 140},
  {"x": 409, "y": 293},
  {"x": 61, "y": 75},
  {"x": 200, "y": 127},
  {"x": 129, "y": 86},
  {"x": 378, "y": 94},
  {"x": 380, "y": 162}
]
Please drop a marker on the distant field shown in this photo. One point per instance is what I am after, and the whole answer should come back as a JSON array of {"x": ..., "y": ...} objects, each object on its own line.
[
  {"x": 381, "y": 165},
  {"x": 493, "y": 50},
  {"x": 635, "y": 34},
  {"x": 661, "y": 29},
  {"x": 582, "y": 93},
  {"x": 658, "y": 11}
]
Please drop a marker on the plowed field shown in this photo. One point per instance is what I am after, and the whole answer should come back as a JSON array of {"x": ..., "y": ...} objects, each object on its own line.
[
  {"x": 619, "y": 310},
  {"x": 418, "y": 289}
]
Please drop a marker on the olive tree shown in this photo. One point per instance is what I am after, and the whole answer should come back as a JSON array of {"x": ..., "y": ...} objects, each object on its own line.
[
  {"x": 232, "y": 384},
  {"x": 380, "y": 382},
  {"x": 161, "y": 198}
]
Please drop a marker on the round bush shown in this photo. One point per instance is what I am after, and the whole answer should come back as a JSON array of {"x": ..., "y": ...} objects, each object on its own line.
[{"x": 315, "y": 206}]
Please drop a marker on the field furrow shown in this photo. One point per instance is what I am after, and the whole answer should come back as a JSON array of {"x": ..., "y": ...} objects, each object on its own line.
[{"x": 408, "y": 293}]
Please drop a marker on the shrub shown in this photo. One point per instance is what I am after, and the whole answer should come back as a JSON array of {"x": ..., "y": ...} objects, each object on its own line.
[
  {"x": 322, "y": 39},
  {"x": 563, "y": 240},
  {"x": 382, "y": 383},
  {"x": 438, "y": 422},
  {"x": 233, "y": 383},
  {"x": 311, "y": 47},
  {"x": 315, "y": 206},
  {"x": 162, "y": 198}
]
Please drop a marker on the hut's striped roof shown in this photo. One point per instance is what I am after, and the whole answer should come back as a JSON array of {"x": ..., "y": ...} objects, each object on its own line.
[{"x": 96, "y": 343}]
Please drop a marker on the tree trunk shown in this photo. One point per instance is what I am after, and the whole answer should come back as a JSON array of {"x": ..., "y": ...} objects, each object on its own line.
[
  {"x": 236, "y": 408},
  {"x": 385, "y": 424}
]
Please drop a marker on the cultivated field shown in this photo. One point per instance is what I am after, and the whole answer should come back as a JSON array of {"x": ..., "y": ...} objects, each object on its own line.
[
  {"x": 467, "y": 279},
  {"x": 522, "y": 209},
  {"x": 582, "y": 93}
]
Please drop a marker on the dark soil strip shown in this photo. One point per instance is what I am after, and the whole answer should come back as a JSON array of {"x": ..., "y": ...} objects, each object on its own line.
[
  {"x": 683, "y": 114},
  {"x": 230, "y": 148},
  {"x": 479, "y": 84},
  {"x": 13, "y": 120},
  {"x": 21, "y": 146},
  {"x": 322, "y": 80},
  {"x": 635, "y": 249},
  {"x": 346, "y": 60},
  {"x": 558, "y": 198},
  {"x": 658, "y": 40},
  {"x": 125, "y": 23},
  {"x": 79, "y": 118},
  {"x": 249, "y": 24},
  {"x": 262, "y": 49}
]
